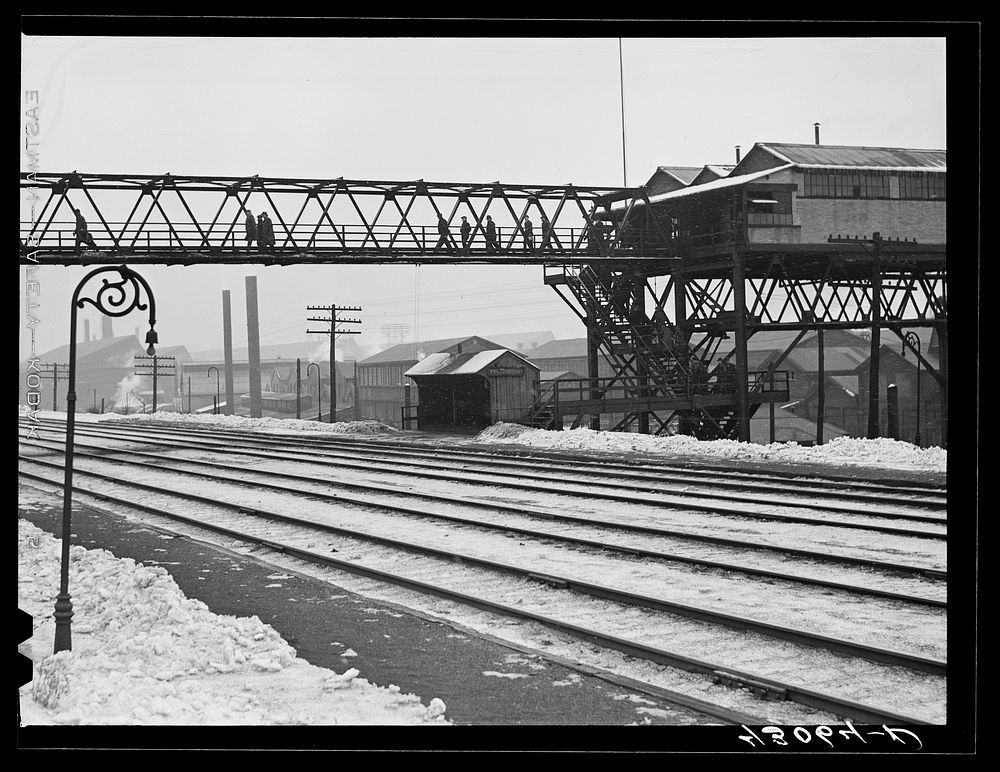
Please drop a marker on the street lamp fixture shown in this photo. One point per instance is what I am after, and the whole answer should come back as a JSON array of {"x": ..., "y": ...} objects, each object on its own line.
[
  {"x": 319, "y": 388},
  {"x": 912, "y": 340},
  {"x": 218, "y": 392},
  {"x": 112, "y": 298}
]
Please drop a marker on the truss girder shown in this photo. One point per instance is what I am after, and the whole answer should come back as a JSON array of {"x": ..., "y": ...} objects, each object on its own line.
[{"x": 168, "y": 218}]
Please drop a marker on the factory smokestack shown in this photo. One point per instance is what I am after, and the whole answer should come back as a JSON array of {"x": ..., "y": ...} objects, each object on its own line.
[
  {"x": 737, "y": 154},
  {"x": 86, "y": 330},
  {"x": 106, "y": 329},
  {"x": 816, "y": 127}
]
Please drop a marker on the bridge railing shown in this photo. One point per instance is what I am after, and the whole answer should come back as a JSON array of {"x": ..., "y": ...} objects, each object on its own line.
[{"x": 423, "y": 239}]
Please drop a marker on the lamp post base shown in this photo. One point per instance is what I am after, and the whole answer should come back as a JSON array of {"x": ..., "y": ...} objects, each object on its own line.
[{"x": 63, "y": 614}]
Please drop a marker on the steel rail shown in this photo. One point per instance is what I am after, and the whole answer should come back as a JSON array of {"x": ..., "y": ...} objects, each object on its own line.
[
  {"x": 590, "y": 493},
  {"x": 633, "y": 473},
  {"x": 901, "y": 568},
  {"x": 793, "y": 692},
  {"x": 797, "y": 480},
  {"x": 394, "y": 508},
  {"x": 781, "y": 632}
]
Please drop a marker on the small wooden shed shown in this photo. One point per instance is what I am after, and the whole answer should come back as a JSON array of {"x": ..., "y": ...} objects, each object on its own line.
[{"x": 474, "y": 390}]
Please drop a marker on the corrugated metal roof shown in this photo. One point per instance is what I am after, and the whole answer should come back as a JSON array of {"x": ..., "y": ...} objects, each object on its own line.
[
  {"x": 460, "y": 364},
  {"x": 851, "y": 156},
  {"x": 681, "y": 173}
]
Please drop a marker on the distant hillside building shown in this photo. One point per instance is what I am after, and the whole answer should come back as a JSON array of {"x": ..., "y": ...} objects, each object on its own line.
[{"x": 100, "y": 366}]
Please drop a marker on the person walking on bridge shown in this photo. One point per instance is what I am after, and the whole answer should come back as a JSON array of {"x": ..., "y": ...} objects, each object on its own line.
[
  {"x": 268, "y": 231},
  {"x": 261, "y": 231},
  {"x": 82, "y": 232},
  {"x": 529, "y": 234},
  {"x": 491, "y": 236},
  {"x": 444, "y": 235},
  {"x": 466, "y": 230},
  {"x": 251, "y": 229},
  {"x": 546, "y": 232}
]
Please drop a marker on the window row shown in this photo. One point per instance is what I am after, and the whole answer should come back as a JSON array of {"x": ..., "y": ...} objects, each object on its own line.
[{"x": 875, "y": 184}]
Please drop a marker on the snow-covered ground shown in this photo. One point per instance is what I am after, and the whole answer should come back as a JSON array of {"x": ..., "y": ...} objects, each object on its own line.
[
  {"x": 144, "y": 653},
  {"x": 296, "y": 425},
  {"x": 842, "y": 451},
  {"x": 881, "y": 453}
]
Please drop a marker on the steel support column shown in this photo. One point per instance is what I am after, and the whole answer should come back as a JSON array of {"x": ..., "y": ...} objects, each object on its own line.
[
  {"x": 740, "y": 306},
  {"x": 227, "y": 343},
  {"x": 253, "y": 346},
  {"x": 876, "y": 341},
  {"x": 593, "y": 347}
]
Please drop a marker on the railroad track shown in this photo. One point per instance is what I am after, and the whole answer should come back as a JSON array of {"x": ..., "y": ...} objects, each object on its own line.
[
  {"x": 622, "y": 603},
  {"x": 263, "y": 479},
  {"x": 922, "y": 525}
]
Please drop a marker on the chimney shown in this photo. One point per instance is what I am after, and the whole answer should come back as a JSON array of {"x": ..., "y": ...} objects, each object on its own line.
[
  {"x": 816, "y": 127},
  {"x": 106, "y": 330},
  {"x": 86, "y": 330},
  {"x": 737, "y": 154}
]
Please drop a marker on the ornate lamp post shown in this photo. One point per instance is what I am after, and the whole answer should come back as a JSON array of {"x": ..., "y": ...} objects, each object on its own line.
[
  {"x": 218, "y": 392},
  {"x": 912, "y": 340},
  {"x": 319, "y": 388},
  {"x": 113, "y": 298}
]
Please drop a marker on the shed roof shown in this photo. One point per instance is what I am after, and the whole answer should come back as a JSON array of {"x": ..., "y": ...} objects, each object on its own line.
[
  {"x": 720, "y": 184},
  {"x": 683, "y": 174},
  {"x": 409, "y": 352},
  {"x": 473, "y": 363},
  {"x": 857, "y": 156}
]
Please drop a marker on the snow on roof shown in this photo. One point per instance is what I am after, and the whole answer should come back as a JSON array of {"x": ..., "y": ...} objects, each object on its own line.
[
  {"x": 720, "y": 184},
  {"x": 459, "y": 364}
]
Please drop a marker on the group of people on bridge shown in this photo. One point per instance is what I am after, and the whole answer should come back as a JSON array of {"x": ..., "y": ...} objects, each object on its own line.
[
  {"x": 260, "y": 230},
  {"x": 447, "y": 242}
]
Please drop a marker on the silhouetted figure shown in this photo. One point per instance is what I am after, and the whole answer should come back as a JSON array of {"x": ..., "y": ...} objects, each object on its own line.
[
  {"x": 593, "y": 239},
  {"x": 529, "y": 234},
  {"x": 546, "y": 232},
  {"x": 251, "y": 229},
  {"x": 261, "y": 230},
  {"x": 491, "y": 236},
  {"x": 466, "y": 231},
  {"x": 82, "y": 232},
  {"x": 268, "y": 231},
  {"x": 444, "y": 235}
]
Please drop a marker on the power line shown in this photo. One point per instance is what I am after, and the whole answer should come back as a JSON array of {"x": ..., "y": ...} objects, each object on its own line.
[{"x": 333, "y": 331}]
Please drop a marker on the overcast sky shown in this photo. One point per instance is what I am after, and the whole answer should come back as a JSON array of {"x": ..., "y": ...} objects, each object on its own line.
[{"x": 518, "y": 110}]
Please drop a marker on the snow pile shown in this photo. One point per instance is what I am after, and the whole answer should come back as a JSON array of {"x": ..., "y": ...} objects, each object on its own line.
[
  {"x": 881, "y": 453},
  {"x": 258, "y": 424},
  {"x": 144, "y": 653},
  {"x": 502, "y": 431}
]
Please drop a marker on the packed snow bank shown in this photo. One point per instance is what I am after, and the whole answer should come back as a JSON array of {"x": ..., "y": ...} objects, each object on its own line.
[
  {"x": 880, "y": 453},
  {"x": 144, "y": 653},
  {"x": 288, "y": 425}
]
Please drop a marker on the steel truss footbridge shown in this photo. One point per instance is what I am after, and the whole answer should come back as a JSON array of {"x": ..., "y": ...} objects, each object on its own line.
[{"x": 661, "y": 338}]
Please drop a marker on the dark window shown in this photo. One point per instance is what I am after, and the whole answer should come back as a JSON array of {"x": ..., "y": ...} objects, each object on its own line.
[
  {"x": 922, "y": 185},
  {"x": 846, "y": 184}
]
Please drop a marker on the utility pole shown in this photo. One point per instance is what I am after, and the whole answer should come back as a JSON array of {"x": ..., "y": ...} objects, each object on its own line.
[
  {"x": 333, "y": 331},
  {"x": 155, "y": 366},
  {"x": 53, "y": 372}
]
